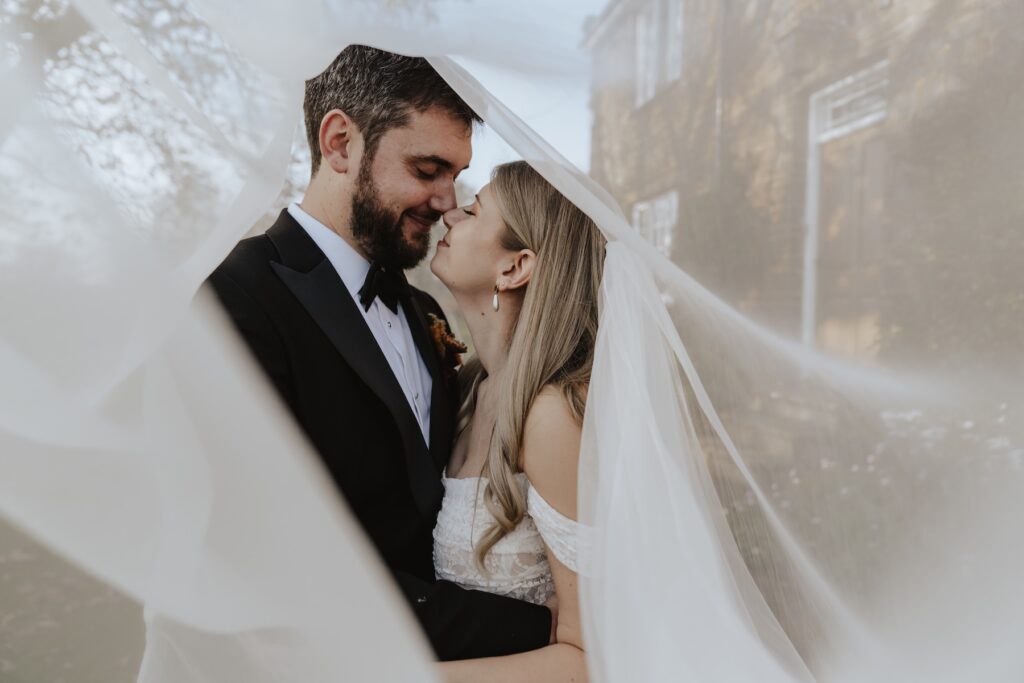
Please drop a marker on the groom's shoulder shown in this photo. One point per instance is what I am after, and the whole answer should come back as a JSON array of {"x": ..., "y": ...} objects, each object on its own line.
[{"x": 248, "y": 259}]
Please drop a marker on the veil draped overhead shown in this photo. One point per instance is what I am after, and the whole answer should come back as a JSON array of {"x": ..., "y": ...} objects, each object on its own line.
[{"x": 804, "y": 435}]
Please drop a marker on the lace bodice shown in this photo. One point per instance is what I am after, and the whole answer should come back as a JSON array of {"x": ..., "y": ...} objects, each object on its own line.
[{"x": 517, "y": 565}]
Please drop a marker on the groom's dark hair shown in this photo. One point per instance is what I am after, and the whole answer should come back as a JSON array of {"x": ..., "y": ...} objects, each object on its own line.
[{"x": 378, "y": 90}]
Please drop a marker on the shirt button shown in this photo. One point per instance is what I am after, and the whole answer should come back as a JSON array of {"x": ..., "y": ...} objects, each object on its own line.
[{"x": 389, "y": 324}]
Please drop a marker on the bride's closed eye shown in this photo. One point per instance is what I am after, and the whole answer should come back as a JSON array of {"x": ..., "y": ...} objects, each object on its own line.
[{"x": 468, "y": 212}]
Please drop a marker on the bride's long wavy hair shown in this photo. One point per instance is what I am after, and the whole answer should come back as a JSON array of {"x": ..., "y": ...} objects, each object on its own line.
[{"x": 552, "y": 341}]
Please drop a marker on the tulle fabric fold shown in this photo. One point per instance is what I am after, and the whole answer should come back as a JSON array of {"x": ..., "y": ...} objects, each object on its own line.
[{"x": 760, "y": 510}]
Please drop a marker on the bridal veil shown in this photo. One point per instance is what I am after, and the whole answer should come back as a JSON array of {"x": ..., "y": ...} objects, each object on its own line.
[{"x": 804, "y": 440}]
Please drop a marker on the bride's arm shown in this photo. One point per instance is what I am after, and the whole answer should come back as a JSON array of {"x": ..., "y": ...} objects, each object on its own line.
[{"x": 551, "y": 443}]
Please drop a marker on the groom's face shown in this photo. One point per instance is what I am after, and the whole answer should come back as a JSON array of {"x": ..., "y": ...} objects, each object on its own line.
[{"x": 407, "y": 185}]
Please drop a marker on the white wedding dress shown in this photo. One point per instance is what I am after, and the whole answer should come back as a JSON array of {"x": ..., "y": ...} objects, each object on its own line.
[{"x": 517, "y": 565}]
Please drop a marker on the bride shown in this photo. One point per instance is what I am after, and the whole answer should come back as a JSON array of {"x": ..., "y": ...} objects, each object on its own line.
[{"x": 524, "y": 265}]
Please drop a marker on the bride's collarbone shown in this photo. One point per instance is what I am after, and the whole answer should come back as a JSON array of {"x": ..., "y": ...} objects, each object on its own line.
[
  {"x": 465, "y": 464},
  {"x": 469, "y": 454}
]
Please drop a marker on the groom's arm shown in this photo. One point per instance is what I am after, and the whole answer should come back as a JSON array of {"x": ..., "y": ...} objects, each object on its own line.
[
  {"x": 256, "y": 330},
  {"x": 465, "y": 624},
  {"x": 459, "y": 623}
]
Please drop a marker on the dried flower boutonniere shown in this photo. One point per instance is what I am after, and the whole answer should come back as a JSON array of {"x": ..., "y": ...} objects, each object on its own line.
[{"x": 449, "y": 348}]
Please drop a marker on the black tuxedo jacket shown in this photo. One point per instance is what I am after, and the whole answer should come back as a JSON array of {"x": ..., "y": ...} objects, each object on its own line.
[{"x": 293, "y": 310}]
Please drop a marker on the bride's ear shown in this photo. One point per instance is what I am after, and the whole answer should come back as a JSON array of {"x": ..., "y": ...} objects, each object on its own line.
[
  {"x": 519, "y": 271},
  {"x": 337, "y": 135}
]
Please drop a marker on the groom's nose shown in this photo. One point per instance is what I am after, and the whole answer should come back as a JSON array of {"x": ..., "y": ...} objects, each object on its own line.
[{"x": 445, "y": 200}]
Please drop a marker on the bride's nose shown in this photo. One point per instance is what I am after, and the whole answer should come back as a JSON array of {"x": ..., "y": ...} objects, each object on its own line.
[{"x": 452, "y": 217}]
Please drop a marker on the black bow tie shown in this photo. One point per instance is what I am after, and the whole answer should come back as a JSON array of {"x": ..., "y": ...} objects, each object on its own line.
[{"x": 385, "y": 284}]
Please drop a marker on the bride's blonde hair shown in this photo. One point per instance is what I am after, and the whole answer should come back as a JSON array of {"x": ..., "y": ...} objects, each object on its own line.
[{"x": 552, "y": 340}]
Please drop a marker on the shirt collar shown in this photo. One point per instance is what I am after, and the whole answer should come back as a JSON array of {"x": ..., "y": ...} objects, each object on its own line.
[{"x": 350, "y": 265}]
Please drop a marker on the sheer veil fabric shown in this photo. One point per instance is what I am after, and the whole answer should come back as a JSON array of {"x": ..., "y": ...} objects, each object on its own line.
[{"x": 804, "y": 436}]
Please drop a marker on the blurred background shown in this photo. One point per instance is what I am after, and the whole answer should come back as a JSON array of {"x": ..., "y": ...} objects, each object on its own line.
[{"x": 825, "y": 167}]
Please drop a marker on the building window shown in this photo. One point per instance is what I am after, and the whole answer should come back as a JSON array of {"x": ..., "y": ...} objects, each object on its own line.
[
  {"x": 646, "y": 52},
  {"x": 659, "y": 47},
  {"x": 674, "y": 44},
  {"x": 855, "y": 102},
  {"x": 655, "y": 220},
  {"x": 845, "y": 107}
]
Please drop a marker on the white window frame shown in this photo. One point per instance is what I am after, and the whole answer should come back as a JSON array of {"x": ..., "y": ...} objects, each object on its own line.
[
  {"x": 675, "y": 26},
  {"x": 646, "y": 51},
  {"x": 655, "y": 219},
  {"x": 658, "y": 35},
  {"x": 844, "y": 107}
]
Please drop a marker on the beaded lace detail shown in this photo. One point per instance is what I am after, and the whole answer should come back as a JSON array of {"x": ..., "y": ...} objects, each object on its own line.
[{"x": 517, "y": 565}]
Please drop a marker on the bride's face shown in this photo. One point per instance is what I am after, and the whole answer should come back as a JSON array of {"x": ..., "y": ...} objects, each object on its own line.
[{"x": 470, "y": 259}]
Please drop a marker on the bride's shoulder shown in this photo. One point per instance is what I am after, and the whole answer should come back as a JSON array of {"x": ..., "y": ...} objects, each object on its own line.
[
  {"x": 551, "y": 414},
  {"x": 550, "y": 450}
]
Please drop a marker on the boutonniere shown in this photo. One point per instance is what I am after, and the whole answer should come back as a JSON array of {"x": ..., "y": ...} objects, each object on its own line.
[{"x": 449, "y": 348}]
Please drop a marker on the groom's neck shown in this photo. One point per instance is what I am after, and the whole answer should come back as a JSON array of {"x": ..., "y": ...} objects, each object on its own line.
[{"x": 329, "y": 203}]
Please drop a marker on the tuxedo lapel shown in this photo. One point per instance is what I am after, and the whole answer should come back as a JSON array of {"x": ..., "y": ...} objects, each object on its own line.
[{"x": 311, "y": 277}]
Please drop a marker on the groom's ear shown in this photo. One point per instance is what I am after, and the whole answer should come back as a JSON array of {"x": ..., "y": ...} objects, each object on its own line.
[
  {"x": 337, "y": 134},
  {"x": 518, "y": 273}
]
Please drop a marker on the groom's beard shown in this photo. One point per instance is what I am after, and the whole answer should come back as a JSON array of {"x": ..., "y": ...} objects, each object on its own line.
[{"x": 379, "y": 231}]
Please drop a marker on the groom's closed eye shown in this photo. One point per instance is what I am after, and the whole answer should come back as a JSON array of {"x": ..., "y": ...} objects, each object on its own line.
[
  {"x": 429, "y": 166},
  {"x": 426, "y": 173}
]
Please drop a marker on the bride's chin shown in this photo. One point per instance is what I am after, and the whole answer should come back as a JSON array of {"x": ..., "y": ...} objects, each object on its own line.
[{"x": 434, "y": 269}]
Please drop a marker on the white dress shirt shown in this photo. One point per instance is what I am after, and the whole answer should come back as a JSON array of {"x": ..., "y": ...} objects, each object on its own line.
[{"x": 391, "y": 330}]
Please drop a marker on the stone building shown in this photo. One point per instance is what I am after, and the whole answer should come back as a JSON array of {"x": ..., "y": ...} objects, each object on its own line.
[{"x": 823, "y": 165}]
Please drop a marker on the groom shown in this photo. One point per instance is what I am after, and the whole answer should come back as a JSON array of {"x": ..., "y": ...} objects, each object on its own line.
[{"x": 322, "y": 301}]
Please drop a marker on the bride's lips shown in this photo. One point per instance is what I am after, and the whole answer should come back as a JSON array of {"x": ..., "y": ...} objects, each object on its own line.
[{"x": 442, "y": 243}]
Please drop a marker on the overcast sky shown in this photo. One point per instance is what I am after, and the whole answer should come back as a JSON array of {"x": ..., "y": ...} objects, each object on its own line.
[{"x": 556, "y": 108}]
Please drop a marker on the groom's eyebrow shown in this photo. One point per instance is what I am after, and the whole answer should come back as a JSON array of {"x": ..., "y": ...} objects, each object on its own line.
[
  {"x": 434, "y": 159},
  {"x": 441, "y": 162}
]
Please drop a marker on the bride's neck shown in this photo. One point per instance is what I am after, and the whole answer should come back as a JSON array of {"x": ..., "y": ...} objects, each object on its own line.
[{"x": 491, "y": 331}]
